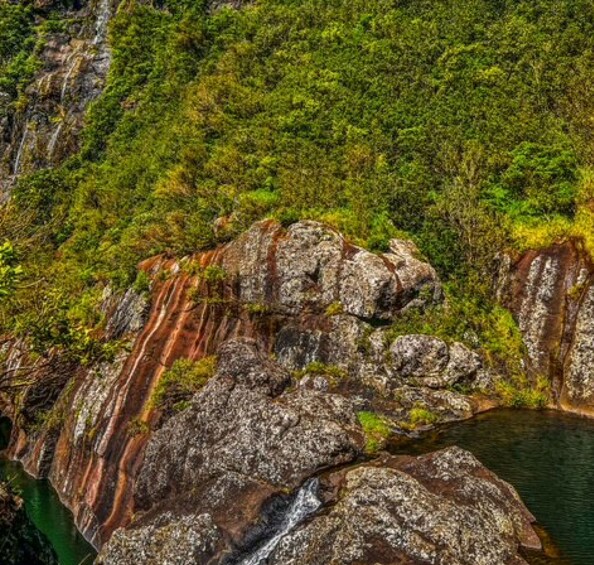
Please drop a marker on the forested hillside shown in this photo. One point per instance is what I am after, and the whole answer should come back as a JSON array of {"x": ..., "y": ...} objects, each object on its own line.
[{"x": 464, "y": 125}]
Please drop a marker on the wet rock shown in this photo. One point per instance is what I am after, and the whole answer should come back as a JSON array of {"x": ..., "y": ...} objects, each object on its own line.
[
  {"x": 439, "y": 508},
  {"x": 579, "y": 371},
  {"x": 550, "y": 294}
]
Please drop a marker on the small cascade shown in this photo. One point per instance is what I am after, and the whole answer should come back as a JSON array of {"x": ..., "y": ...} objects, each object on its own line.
[
  {"x": 305, "y": 504},
  {"x": 67, "y": 76},
  {"x": 51, "y": 146},
  {"x": 102, "y": 21},
  {"x": 19, "y": 155}
]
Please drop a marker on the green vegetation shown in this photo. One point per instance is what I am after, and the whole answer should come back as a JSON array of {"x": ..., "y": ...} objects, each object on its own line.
[
  {"x": 420, "y": 416},
  {"x": 463, "y": 125},
  {"x": 376, "y": 429},
  {"x": 519, "y": 392},
  {"x": 331, "y": 373},
  {"x": 181, "y": 381}
]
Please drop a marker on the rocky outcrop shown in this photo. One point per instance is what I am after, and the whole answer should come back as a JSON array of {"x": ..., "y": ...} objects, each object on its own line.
[
  {"x": 20, "y": 542},
  {"x": 551, "y": 293},
  {"x": 73, "y": 65},
  {"x": 439, "y": 508},
  {"x": 304, "y": 295}
]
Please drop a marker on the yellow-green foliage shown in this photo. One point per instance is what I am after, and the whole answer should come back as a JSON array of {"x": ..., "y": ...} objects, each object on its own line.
[
  {"x": 376, "y": 429},
  {"x": 181, "y": 381},
  {"x": 419, "y": 416},
  {"x": 331, "y": 373},
  {"x": 519, "y": 392},
  {"x": 454, "y": 123},
  {"x": 334, "y": 309}
]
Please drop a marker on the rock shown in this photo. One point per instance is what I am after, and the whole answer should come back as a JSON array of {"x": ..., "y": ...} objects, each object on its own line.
[
  {"x": 443, "y": 405},
  {"x": 240, "y": 423},
  {"x": 441, "y": 508},
  {"x": 550, "y": 292},
  {"x": 419, "y": 356},
  {"x": 168, "y": 540},
  {"x": 310, "y": 266},
  {"x": 428, "y": 361},
  {"x": 579, "y": 368}
]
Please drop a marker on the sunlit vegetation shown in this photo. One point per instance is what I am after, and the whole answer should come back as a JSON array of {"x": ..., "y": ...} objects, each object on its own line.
[{"x": 464, "y": 125}]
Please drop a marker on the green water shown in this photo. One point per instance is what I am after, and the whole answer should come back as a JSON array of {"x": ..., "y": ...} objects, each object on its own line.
[
  {"x": 46, "y": 511},
  {"x": 547, "y": 456}
]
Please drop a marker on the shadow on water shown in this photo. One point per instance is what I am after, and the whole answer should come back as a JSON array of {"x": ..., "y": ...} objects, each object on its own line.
[
  {"x": 547, "y": 456},
  {"x": 44, "y": 509}
]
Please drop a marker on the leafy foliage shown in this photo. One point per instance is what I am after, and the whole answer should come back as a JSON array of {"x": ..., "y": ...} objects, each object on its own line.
[{"x": 464, "y": 125}]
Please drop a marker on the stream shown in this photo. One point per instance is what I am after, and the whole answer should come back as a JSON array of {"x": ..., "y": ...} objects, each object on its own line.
[{"x": 45, "y": 510}]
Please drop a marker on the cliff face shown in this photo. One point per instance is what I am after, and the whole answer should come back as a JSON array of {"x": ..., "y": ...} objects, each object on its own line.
[
  {"x": 551, "y": 293},
  {"x": 301, "y": 294},
  {"x": 73, "y": 65}
]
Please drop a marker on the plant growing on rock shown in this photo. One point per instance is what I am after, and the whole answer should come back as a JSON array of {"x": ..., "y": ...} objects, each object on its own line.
[
  {"x": 180, "y": 382},
  {"x": 376, "y": 429}
]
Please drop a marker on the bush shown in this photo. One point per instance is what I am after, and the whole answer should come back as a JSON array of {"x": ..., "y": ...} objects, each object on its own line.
[{"x": 181, "y": 382}]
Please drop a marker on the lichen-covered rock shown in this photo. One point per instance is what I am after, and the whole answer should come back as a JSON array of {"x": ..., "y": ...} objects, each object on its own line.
[
  {"x": 442, "y": 508},
  {"x": 550, "y": 291},
  {"x": 579, "y": 369},
  {"x": 311, "y": 266},
  {"x": 169, "y": 540},
  {"x": 241, "y": 423},
  {"x": 429, "y": 361}
]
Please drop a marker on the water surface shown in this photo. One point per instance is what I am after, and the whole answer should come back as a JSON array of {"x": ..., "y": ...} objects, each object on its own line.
[
  {"x": 45, "y": 510},
  {"x": 547, "y": 456}
]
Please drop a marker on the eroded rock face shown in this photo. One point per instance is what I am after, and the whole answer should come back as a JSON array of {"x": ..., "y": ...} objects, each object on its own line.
[
  {"x": 551, "y": 293},
  {"x": 440, "y": 508},
  {"x": 73, "y": 67},
  {"x": 242, "y": 423},
  {"x": 245, "y": 438},
  {"x": 302, "y": 294}
]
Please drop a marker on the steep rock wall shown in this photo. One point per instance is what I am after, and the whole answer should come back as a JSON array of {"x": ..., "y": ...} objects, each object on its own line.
[
  {"x": 302, "y": 294},
  {"x": 73, "y": 68},
  {"x": 551, "y": 293}
]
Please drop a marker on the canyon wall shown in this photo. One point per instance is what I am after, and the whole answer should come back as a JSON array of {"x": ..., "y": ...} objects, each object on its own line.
[
  {"x": 304, "y": 295},
  {"x": 44, "y": 130},
  {"x": 551, "y": 293}
]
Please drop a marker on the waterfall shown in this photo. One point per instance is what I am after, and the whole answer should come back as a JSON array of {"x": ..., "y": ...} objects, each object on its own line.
[
  {"x": 305, "y": 504},
  {"x": 102, "y": 21},
  {"x": 17, "y": 161},
  {"x": 51, "y": 146},
  {"x": 67, "y": 77}
]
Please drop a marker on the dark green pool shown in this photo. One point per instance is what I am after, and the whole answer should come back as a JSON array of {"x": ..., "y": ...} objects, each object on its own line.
[
  {"x": 46, "y": 511},
  {"x": 547, "y": 456}
]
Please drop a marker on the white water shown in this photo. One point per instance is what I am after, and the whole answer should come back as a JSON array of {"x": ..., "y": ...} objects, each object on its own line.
[
  {"x": 67, "y": 76},
  {"x": 305, "y": 504},
  {"x": 102, "y": 21},
  {"x": 51, "y": 146},
  {"x": 17, "y": 161}
]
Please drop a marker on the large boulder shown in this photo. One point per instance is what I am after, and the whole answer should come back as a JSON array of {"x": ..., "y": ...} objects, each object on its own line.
[
  {"x": 441, "y": 508},
  {"x": 309, "y": 266}
]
